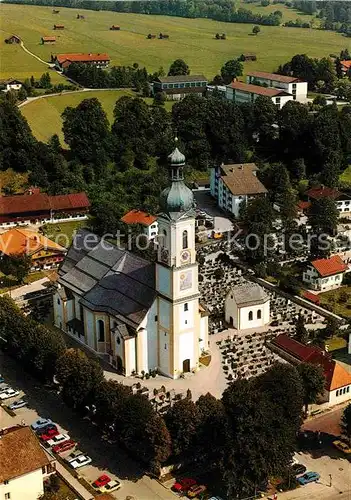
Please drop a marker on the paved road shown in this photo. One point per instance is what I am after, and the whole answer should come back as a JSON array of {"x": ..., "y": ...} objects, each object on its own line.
[
  {"x": 328, "y": 423},
  {"x": 32, "y": 287}
]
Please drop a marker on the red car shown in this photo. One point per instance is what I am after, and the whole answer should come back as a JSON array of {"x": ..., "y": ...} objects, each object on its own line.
[
  {"x": 184, "y": 484},
  {"x": 65, "y": 446},
  {"x": 101, "y": 481},
  {"x": 49, "y": 434}
]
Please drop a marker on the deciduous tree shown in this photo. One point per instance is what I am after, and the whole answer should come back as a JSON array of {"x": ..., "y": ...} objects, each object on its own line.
[{"x": 313, "y": 382}]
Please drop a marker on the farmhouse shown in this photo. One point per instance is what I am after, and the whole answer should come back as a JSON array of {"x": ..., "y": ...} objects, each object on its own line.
[
  {"x": 342, "y": 200},
  {"x": 177, "y": 87},
  {"x": 248, "y": 57},
  {"x": 115, "y": 28},
  {"x": 44, "y": 253},
  {"x": 59, "y": 27},
  {"x": 231, "y": 185},
  {"x": 247, "y": 306},
  {"x": 345, "y": 67},
  {"x": 13, "y": 39},
  {"x": 240, "y": 92},
  {"x": 10, "y": 84},
  {"x": 139, "y": 315},
  {"x": 62, "y": 61},
  {"x": 24, "y": 464},
  {"x": 48, "y": 39},
  {"x": 324, "y": 274},
  {"x": 39, "y": 208},
  {"x": 147, "y": 221},
  {"x": 337, "y": 379},
  {"x": 294, "y": 86}
]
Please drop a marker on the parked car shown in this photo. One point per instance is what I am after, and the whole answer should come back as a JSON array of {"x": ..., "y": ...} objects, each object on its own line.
[
  {"x": 80, "y": 461},
  {"x": 196, "y": 490},
  {"x": 298, "y": 469},
  {"x": 20, "y": 403},
  {"x": 41, "y": 423},
  {"x": 45, "y": 430},
  {"x": 65, "y": 446},
  {"x": 1, "y": 379},
  {"x": 49, "y": 434},
  {"x": 101, "y": 481},
  {"x": 215, "y": 498},
  {"x": 9, "y": 393},
  {"x": 73, "y": 455},
  {"x": 111, "y": 486},
  {"x": 342, "y": 446},
  {"x": 309, "y": 477},
  {"x": 184, "y": 484},
  {"x": 4, "y": 386},
  {"x": 59, "y": 438}
]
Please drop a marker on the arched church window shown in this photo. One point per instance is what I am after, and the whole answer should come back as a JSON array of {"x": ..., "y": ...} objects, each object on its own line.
[
  {"x": 250, "y": 315},
  {"x": 101, "y": 330},
  {"x": 259, "y": 314},
  {"x": 118, "y": 340},
  {"x": 185, "y": 239}
]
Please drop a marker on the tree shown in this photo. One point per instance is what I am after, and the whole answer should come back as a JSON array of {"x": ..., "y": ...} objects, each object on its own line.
[
  {"x": 301, "y": 333},
  {"x": 323, "y": 218},
  {"x": 178, "y": 67},
  {"x": 231, "y": 69},
  {"x": 45, "y": 81},
  {"x": 182, "y": 422},
  {"x": 22, "y": 94},
  {"x": 313, "y": 382},
  {"x": 256, "y": 30},
  {"x": 160, "y": 98},
  {"x": 258, "y": 216},
  {"x": 87, "y": 132},
  {"x": 346, "y": 421}
]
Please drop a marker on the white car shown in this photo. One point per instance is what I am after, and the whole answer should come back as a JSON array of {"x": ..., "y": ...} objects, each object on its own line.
[
  {"x": 9, "y": 393},
  {"x": 110, "y": 486},
  {"x": 80, "y": 461},
  {"x": 59, "y": 438}
]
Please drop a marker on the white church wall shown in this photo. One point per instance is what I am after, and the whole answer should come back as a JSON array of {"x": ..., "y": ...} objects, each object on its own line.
[
  {"x": 164, "y": 346},
  {"x": 77, "y": 306},
  {"x": 70, "y": 310},
  {"x": 186, "y": 315},
  {"x": 231, "y": 311},
  {"x": 186, "y": 350},
  {"x": 164, "y": 282},
  {"x": 89, "y": 328},
  {"x": 130, "y": 358},
  {"x": 256, "y": 310},
  {"x": 58, "y": 312},
  {"x": 150, "y": 323},
  {"x": 203, "y": 344},
  {"x": 164, "y": 313}
]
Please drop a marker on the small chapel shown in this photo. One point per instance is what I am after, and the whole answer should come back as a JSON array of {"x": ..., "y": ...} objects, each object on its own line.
[
  {"x": 136, "y": 314},
  {"x": 247, "y": 306}
]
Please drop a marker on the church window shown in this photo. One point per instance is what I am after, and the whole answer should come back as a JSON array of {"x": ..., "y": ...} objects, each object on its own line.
[
  {"x": 250, "y": 315},
  {"x": 166, "y": 346},
  {"x": 259, "y": 314},
  {"x": 118, "y": 340},
  {"x": 185, "y": 239},
  {"x": 186, "y": 307},
  {"x": 101, "y": 328},
  {"x": 58, "y": 301},
  {"x": 156, "y": 317},
  {"x": 186, "y": 321}
]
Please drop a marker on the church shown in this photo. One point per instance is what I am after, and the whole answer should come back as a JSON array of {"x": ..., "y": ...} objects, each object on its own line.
[{"x": 136, "y": 314}]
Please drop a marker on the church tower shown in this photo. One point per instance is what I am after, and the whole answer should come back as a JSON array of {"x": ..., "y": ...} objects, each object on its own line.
[{"x": 179, "y": 320}]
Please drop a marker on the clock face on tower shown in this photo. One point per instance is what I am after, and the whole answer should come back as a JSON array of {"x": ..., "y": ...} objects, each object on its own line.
[{"x": 185, "y": 256}]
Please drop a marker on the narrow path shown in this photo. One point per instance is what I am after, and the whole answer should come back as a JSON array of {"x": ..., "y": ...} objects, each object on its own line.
[{"x": 51, "y": 65}]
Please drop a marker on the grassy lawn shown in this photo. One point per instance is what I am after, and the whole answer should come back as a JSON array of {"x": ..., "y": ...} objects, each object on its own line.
[
  {"x": 190, "y": 39},
  {"x": 62, "y": 232},
  {"x": 339, "y": 300},
  {"x": 336, "y": 343},
  {"x": 346, "y": 175},
  {"x": 44, "y": 115}
]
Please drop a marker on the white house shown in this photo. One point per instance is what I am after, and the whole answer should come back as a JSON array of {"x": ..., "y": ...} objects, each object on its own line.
[
  {"x": 147, "y": 221},
  {"x": 232, "y": 185},
  {"x": 137, "y": 314},
  {"x": 24, "y": 464},
  {"x": 342, "y": 200},
  {"x": 324, "y": 274},
  {"x": 294, "y": 86},
  {"x": 247, "y": 306},
  {"x": 11, "y": 84},
  {"x": 240, "y": 92}
]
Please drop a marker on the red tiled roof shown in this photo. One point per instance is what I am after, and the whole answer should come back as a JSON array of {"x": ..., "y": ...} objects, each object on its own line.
[
  {"x": 346, "y": 64},
  {"x": 257, "y": 89},
  {"x": 303, "y": 205},
  {"x": 328, "y": 267},
  {"x": 312, "y": 297},
  {"x": 323, "y": 192},
  {"x": 49, "y": 38},
  {"x": 273, "y": 76},
  {"x": 138, "y": 217},
  {"x": 299, "y": 351},
  {"x": 82, "y": 57},
  {"x": 26, "y": 203}
]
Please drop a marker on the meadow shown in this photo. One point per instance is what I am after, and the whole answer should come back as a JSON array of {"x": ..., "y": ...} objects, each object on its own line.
[{"x": 190, "y": 39}]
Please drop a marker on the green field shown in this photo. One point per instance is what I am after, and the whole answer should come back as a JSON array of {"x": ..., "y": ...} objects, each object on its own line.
[{"x": 190, "y": 39}]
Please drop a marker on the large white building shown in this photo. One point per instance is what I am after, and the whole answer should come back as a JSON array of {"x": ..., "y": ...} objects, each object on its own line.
[
  {"x": 24, "y": 465},
  {"x": 138, "y": 314},
  {"x": 240, "y": 93},
  {"x": 289, "y": 84},
  {"x": 324, "y": 274},
  {"x": 247, "y": 306},
  {"x": 232, "y": 185}
]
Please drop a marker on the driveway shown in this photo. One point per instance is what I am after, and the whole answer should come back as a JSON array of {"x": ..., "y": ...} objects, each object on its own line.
[{"x": 106, "y": 458}]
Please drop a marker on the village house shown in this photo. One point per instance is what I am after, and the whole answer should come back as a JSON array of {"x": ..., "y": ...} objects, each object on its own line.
[
  {"x": 44, "y": 253},
  {"x": 289, "y": 84},
  {"x": 177, "y": 87},
  {"x": 337, "y": 378},
  {"x": 10, "y": 84},
  {"x": 232, "y": 185},
  {"x": 342, "y": 200},
  {"x": 62, "y": 61},
  {"x": 324, "y": 274},
  {"x": 59, "y": 27},
  {"x": 24, "y": 464},
  {"x": 240, "y": 92},
  {"x": 136, "y": 314},
  {"x": 39, "y": 208},
  {"x": 345, "y": 67},
  {"x": 13, "y": 39},
  {"x": 247, "y": 306},
  {"x": 48, "y": 39},
  {"x": 147, "y": 221}
]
